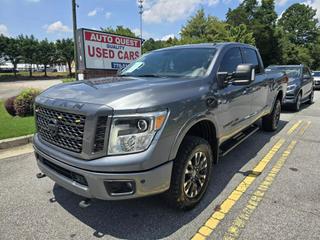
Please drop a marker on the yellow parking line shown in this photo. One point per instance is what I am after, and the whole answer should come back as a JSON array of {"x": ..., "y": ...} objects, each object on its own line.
[
  {"x": 294, "y": 127},
  {"x": 241, "y": 220},
  {"x": 304, "y": 128},
  {"x": 227, "y": 205}
]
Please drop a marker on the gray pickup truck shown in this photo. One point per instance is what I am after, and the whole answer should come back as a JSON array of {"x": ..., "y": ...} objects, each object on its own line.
[{"x": 158, "y": 127}]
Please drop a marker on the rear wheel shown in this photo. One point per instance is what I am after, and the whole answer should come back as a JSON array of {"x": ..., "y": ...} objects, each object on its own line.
[
  {"x": 191, "y": 173},
  {"x": 271, "y": 121}
]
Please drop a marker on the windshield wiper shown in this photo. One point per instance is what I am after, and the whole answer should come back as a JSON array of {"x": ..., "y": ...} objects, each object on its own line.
[{"x": 148, "y": 75}]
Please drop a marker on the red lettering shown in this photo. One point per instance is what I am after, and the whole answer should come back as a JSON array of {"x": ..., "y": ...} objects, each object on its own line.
[
  {"x": 120, "y": 54},
  {"x": 105, "y": 53},
  {"x": 137, "y": 54},
  {"x": 131, "y": 55},
  {"x": 126, "y": 56},
  {"x": 111, "y": 54},
  {"x": 98, "y": 52},
  {"x": 91, "y": 54},
  {"x": 109, "y": 38}
]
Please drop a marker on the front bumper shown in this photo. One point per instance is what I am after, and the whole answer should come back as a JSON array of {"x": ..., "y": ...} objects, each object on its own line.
[
  {"x": 289, "y": 99},
  {"x": 148, "y": 182},
  {"x": 316, "y": 84}
]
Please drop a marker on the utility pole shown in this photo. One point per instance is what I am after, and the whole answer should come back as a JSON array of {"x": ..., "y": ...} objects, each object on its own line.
[
  {"x": 140, "y": 6},
  {"x": 74, "y": 20}
]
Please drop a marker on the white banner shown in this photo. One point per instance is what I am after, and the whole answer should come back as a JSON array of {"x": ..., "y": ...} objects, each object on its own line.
[{"x": 109, "y": 51}]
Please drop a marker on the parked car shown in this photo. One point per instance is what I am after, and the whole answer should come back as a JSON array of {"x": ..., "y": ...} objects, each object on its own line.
[
  {"x": 157, "y": 127},
  {"x": 8, "y": 70},
  {"x": 316, "y": 78},
  {"x": 300, "y": 86},
  {"x": 50, "y": 69}
]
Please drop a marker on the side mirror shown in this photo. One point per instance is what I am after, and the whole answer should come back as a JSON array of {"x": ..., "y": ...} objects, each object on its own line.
[{"x": 244, "y": 74}]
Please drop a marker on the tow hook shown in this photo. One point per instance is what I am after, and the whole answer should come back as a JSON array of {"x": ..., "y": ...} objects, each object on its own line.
[
  {"x": 85, "y": 203},
  {"x": 41, "y": 175}
]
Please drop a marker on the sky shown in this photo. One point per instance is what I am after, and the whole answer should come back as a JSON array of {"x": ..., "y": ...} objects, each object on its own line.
[{"x": 52, "y": 19}]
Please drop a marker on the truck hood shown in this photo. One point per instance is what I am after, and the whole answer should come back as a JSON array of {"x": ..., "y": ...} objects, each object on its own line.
[{"x": 124, "y": 93}]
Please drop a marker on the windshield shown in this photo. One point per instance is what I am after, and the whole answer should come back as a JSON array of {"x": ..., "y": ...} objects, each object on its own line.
[
  {"x": 292, "y": 72},
  {"x": 186, "y": 62},
  {"x": 316, "y": 74}
]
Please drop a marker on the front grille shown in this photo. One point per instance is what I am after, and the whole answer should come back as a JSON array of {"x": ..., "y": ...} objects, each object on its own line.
[
  {"x": 60, "y": 128},
  {"x": 67, "y": 173}
]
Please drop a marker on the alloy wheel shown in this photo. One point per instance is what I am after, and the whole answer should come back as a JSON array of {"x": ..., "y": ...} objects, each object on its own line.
[{"x": 195, "y": 174}]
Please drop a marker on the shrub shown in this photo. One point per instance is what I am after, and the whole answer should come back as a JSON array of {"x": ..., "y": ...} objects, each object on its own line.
[
  {"x": 9, "y": 106},
  {"x": 23, "y": 103}
]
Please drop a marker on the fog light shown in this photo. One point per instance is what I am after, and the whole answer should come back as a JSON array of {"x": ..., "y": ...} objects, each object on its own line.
[{"x": 120, "y": 187}]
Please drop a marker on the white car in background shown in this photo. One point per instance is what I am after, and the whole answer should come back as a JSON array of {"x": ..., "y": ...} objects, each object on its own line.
[{"x": 316, "y": 77}]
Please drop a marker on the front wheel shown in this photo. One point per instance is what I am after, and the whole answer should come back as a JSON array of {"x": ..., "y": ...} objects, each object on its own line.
[
  {"x": 311, "y": 97},
  {"x": 271, "y": 121},
  {"x": 297, "y": 104},
  {"x": 191, "y": 173}
]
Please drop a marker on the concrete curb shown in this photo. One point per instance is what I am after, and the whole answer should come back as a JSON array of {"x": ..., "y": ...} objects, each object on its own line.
[{"x": 15, "y": 142}]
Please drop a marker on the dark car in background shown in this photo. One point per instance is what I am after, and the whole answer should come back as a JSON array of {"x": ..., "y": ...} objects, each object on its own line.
[
  {"x": 300, "y": 86},
  {"x": 316, "y": 79}
]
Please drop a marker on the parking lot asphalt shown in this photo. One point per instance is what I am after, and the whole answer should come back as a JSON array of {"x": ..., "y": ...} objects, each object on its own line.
[
  {"x": 267, "y": 188},
  {"x": 9, "y": 89}
]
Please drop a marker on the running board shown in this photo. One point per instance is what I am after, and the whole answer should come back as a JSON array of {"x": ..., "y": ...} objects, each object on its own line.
[{"x": 236, "y": 140}]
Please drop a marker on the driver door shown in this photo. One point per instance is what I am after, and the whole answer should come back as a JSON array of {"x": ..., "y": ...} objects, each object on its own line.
[{"x": 235, "y": 107}]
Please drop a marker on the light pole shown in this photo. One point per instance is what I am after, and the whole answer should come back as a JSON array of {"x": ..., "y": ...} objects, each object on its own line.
[
  {"x": 140, "y": 6},
  {"x": 74, "y": 20}
]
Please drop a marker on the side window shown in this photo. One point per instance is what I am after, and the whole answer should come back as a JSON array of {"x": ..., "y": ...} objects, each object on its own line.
[
  {"x": 231, "y": 60},
  {"x": 306, "y": 73},
  {"x": 250, "y": 57}
]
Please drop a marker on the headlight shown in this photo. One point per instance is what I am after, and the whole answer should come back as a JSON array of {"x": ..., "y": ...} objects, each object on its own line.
[
  {"x": 134, "y": 133},
  {"x": 291, "y": 87}
]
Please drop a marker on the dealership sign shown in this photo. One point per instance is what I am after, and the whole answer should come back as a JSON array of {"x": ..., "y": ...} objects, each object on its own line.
[{"x": 100, "y": 50}]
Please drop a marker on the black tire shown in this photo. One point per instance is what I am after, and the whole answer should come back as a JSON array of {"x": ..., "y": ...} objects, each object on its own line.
[
  {"x": 270, "y": 122},
  {"x": 177, "y": 196},
  {"x": 297, "y": 105},
  {"x": 311, "y": 96}
]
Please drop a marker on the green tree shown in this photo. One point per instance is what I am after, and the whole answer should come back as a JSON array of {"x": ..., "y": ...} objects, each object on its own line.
[
  {"x": 121, "y": 30},
  {"x": 29, "y": 48},
  {"x": 315, "y": 53},
  {"x": 299, "y": 22},
  {"x": 196, "y": 27},
  {"x": 3, "y": 43},
  {"x": 65, "y": 52},
  {"x": 265, "y": 33},
  {"x": 47, "y": 54},
  {"x": 243, "y": 14},
  {"x": 151, "y": 44},
  {"x": 240, "y": 34},
  {"x": 201, "y": 28},
  {"x": 12, "y": 52}
]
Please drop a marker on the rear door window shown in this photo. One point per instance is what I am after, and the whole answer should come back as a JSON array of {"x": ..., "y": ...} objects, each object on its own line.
[{"x": 250, "y": 57}]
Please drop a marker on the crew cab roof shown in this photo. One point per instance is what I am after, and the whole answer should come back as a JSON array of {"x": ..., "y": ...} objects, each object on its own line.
[
  {"x": 206, "y": 45},
  {"x": 283, "y": 66}
]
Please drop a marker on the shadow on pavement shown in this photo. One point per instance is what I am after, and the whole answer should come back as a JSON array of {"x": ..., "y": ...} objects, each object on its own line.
[{"x": 151, "y": 218}]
